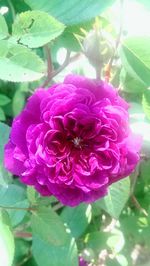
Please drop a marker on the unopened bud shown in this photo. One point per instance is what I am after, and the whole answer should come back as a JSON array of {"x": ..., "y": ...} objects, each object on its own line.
[{"x": 98, "y": 47}]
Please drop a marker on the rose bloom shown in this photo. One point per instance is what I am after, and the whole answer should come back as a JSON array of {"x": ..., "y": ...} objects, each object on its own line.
[{"x": 73, "y": 140}]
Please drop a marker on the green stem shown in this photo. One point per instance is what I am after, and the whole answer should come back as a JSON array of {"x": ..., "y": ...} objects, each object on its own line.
[
  {"x": 118, "y": 40},
  {"x": 25, "y": 259},
  {"x": 12, "y": 9},
  {"x": 98, "y": 72},
  {"x": 55, "y": 72},
  {"x": 57, "y": 206},
  {"x": 22, "y": 234},
  {"x": 49, "y": 64},
  {"x": 17, "y": 209},
  {"x": 138, "y": 206}
]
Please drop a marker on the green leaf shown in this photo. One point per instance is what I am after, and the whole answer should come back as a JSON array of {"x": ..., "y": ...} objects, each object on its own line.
[
  {"x": 48, "y": 226},
  {"x": 3, "y": 48},
  {"x": 30, "y": 262},
  {"x": 122, "y": 260},
  {"x": 21, "y": 250},
  {"x": 2, "y": 115},
  {"x": 50, "y": 255},
  {"x": 5, "y": 177},
  {"x": 4, "y": 134},
  {"x": 7, "y": 246},
  {"x": 36, "y": 28},
  {"x": 32, "y": 195},
  {"x": 96, "y": 241},
  {"x": 116, "y": 241},
  {"x": 130, "y": 84},
  {"x": 20, "y": 64},
  {"x": 4, "y": 100},
  {"x": 14, "y": 196},
  {"x": 45, "y": 201},
  {"x": 144, "y": 171},
  {"x": 3, "y": 28},
  {"x": 135, "y": 56},
  {"x": 146, "y": 103},
  {"x": 77, "y": 219},
  {"x": 69, "y": 41},
  {"x": 116, "y": 199},
  {"x": 52, "y": 244},
  {"x": 71, "y": 12},
  {"x": 18, "y": 102}
]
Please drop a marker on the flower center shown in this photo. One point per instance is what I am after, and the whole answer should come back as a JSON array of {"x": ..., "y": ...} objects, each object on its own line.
[{"x": 77, "y": 142}]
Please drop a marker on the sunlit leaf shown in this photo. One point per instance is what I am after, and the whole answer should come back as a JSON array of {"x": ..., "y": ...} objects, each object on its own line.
[
  {"x": 116, "y": 199},
  {"x": 52, "y": 244},
  {"x": 7, "y": 246},
  {"x": 146, "y": 103},
  {"x": 71, "y": 12},
  {"x": 130, "y": 84},
  {"x": 135, "y": 55},
  {"x": 77, "y": 219},
  {"x": 4, "y": 100},
  {"x": 49, "y": 255},
  {"x": 20, "y": 64},
  {"x": 3, "y": 28},
  {"x": 18, "y": 102},
  {"x": 2, "y": 115},
  {"x": 14, "y": 196},
  {"x": 36, "y": 28},
  {"x": 48, "y": 226}
]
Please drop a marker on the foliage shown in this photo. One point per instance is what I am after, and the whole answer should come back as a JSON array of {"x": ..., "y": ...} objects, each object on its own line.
[{"x": 41, "y": 41}]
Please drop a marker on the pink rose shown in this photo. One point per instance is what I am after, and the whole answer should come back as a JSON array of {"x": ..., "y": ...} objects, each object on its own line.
[{"x": 73, "y": 140}]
